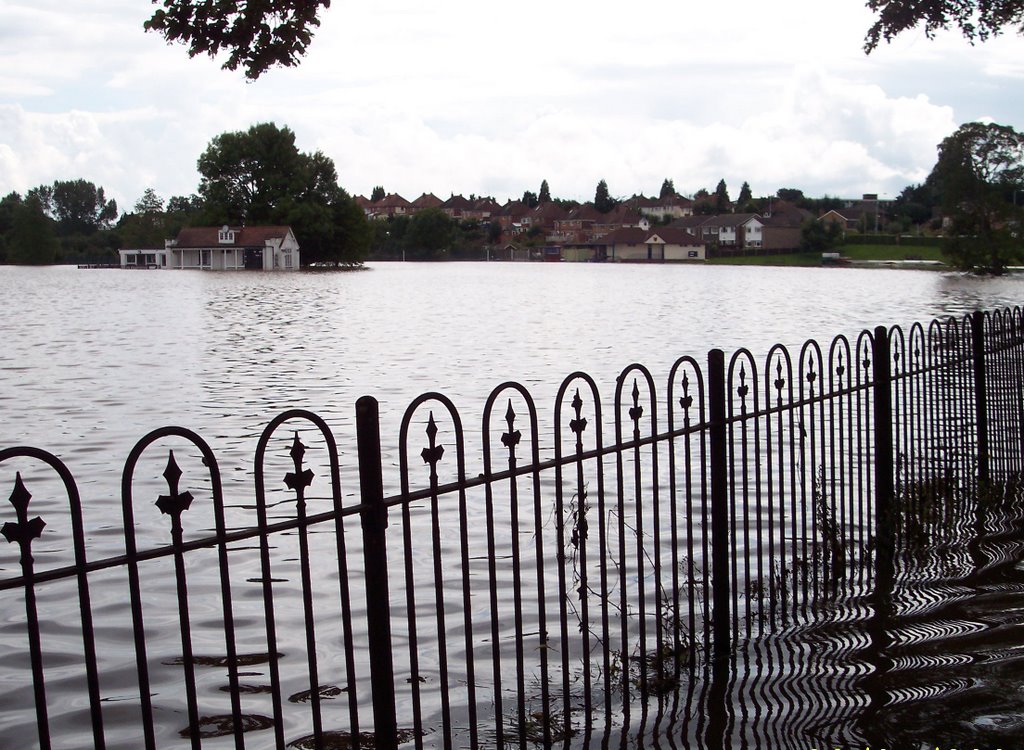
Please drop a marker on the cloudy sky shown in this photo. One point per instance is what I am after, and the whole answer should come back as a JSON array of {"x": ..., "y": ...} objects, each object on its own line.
[{"x": 491, "y": 98}]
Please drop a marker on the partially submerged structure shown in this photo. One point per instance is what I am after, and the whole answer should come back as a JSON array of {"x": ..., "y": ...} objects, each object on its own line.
[{"x": 260, "y": 248}]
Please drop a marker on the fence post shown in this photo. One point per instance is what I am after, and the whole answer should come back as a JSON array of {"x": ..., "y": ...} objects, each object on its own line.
[
  {"x": 980, "y": 397},
  {"x": 885, "y": 485},
  {"x": 375, "y": 563},
  {"x": 719, "y": 505}
]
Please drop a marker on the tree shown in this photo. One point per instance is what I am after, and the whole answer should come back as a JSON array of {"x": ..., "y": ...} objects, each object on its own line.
[
  {"x": 429, "y": 234},
  {"x": 78, "y": 206},
  {"x": 980, "y": 169},
  {"x": 149, "y": 203},
  {"x": 603, "y": 202},
  {"x": 378, "y": 194},
  {"x": 722, "y": 202},
  {"x": 745, "y": 195},
  {"x": 668, "y": 190},
  {"x": 530, "y": 200},
  {"x": 146, "y": 226},
  {"x": 260, "y": 177},
  {"x": 914, "y": 204},
  {"x": 790, "y": 195},
  {"x": 9, "y": 205},
  {"x": 977, "y": 20},
  {"x": 818, "y": 236},
  {"x": 32, "y": 239},
  {"x": 544, "y": 196},
  {"x": 256, "y": 34},
  {"x": 494, "y": 232}
]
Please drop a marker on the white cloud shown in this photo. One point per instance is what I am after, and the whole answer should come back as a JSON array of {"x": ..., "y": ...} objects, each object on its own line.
[{"x": 491, "y": 99}]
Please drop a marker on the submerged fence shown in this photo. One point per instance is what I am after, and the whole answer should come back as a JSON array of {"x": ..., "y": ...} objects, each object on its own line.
[{"x": 575, "y": 583}]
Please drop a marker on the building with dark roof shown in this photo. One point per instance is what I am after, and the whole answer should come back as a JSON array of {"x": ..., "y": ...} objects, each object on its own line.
[{"x": 259, "y": 248}]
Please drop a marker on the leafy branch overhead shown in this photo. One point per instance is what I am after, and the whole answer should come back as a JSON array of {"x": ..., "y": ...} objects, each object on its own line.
[
  {"x": 977, "y": 20},
  {"x": 256, "y": 34}
]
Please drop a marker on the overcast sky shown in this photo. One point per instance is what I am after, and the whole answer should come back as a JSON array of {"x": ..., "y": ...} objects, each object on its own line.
[{"x": 491, "y": 98}]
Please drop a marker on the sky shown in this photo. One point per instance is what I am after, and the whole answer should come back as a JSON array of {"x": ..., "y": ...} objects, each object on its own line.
[{"x": 492, "y": 98}]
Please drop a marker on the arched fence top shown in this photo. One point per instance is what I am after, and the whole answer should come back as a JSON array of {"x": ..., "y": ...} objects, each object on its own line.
[
  {"x": 739, "y": 381},
  {"x": 175, "y": 502},
  {"x": 434, "y": 451},
  {"x": 778, "y": 379},
  {"x": 811, "y": 367},
  {"x": 301, "y": 476},
  {"x": 691, "y": 392},
  {"x": 840, "y": 359},
  {"x": 511, "y": 438},
  {"x": 635, "y": 411},
  {"x": 579, "y": 423},
  {"x": 24, "y": 530}
]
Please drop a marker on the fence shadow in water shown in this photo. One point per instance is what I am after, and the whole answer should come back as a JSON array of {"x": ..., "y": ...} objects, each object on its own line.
[{"x": 759, "y": 554}]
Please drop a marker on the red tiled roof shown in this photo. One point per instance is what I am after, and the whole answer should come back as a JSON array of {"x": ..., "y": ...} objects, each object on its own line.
[
  {"x": 392, "y": 201},
  {"x": 244, "y": 236},
  {"x": 626, "y": 236},
  {"x": 427, "y": 200},
  {"x": 457, "y": 203}
]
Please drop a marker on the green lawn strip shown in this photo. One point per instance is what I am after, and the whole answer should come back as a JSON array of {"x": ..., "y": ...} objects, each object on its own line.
[
  {"x": 892, "y": 252},
  {"x": 853, "y": 252}
]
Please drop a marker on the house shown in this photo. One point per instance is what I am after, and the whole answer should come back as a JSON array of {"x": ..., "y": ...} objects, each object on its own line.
[
  {"x": 510, "y": 217},
  {"x": 657, "y": 244},
  {"x": 670, "y": 207},
  {"x": 425, "y": 201},
  {"x": 390, "y": 206},
  {"x": 733, "y": 230},
  {"x": 457, "y": 207},
  {"x": 271, "y": 248}
]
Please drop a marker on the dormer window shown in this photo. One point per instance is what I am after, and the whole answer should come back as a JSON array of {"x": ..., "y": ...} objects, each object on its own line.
[{"x": 226, "y": 236}]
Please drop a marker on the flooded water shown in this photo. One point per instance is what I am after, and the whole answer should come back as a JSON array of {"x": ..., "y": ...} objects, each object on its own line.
[{"x": 92, "y": 360}]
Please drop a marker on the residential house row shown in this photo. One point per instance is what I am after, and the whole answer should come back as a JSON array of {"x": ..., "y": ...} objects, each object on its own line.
[{"x": 586, "y": 233}]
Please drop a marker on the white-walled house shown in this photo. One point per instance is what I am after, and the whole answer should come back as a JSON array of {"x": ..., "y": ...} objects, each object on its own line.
[{"x": 260, "y": 248}]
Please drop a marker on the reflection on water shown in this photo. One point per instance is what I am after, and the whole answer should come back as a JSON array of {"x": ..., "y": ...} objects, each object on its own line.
[{"x": 92, "y": 360}]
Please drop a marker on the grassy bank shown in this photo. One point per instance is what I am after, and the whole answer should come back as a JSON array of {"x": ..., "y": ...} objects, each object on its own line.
[{"x": 856, "y": 253}]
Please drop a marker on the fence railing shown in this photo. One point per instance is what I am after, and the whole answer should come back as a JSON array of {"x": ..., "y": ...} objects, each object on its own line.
[{"x": 590, "y": 580}]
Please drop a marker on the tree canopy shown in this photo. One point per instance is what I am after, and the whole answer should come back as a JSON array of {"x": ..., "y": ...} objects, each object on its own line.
[
  {"x": 979, "y": 171},
  {"x": 256, "y": 34},
  {"x": 429, "y": 234},
  {"x": 977, "y": 20},
  {"x": 78, "y": 206},
  {"x": 603, "y": 201},
  {"x": 30, "y": 237},
  {"x": 259, "y": 176},
  {"x": 544, "y": 196},
  {"x": 722, "y": 201}
]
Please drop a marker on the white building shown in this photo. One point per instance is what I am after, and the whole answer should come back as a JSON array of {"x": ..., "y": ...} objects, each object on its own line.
[{"x": 222, "y": 249}]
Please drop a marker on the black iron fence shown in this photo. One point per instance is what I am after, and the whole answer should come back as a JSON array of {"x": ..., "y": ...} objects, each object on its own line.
[{"x": 577, "y": 585}]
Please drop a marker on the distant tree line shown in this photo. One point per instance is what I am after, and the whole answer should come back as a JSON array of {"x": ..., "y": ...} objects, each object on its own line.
[
  {"x": 249, "y": 177},
  {"x": 974, "y": 197}
]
